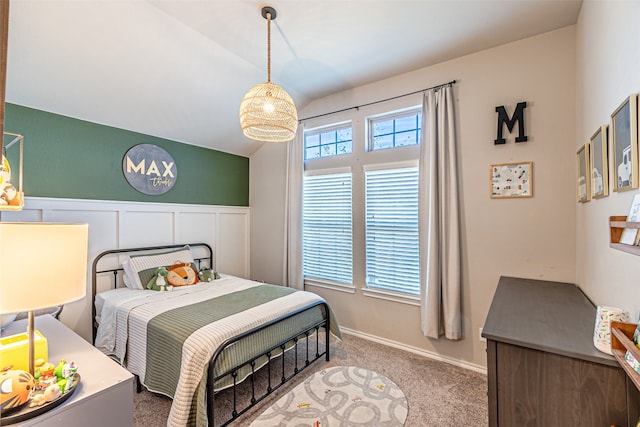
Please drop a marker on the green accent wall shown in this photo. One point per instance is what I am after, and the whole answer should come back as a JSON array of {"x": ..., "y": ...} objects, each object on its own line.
[{"x": 71, "y": 158}]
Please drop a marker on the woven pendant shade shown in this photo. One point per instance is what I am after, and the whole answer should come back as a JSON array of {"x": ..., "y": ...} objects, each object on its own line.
[{"x": 267, "y": 112}]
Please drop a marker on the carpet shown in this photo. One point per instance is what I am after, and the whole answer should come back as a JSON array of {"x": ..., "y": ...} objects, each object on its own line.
[{"x": 338, "y": 396}]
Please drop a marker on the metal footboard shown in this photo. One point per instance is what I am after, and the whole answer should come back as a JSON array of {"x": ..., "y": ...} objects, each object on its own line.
[{"x": 278, "y": 350}]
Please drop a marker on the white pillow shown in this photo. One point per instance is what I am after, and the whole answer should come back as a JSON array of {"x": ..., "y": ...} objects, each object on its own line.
[
  {"x": 143, "y": 267},
  {"x": 128, "y": 276}
]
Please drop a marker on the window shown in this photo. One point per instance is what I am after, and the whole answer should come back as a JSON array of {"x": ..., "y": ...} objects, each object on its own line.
[
  {"x": 392, "y": 251},
  {"x": 328, "y": 141},
  {"x": 326, "y": 229},
  {"x": 395, "y": 130}
]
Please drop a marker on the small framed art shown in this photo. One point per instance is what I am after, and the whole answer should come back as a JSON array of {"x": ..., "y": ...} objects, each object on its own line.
[
  {"x": 582, "y": 175},
  {"x": 510, "y": 180},
  {"x": 624, "y": 145},
  {"x": 599, "y": 164}
]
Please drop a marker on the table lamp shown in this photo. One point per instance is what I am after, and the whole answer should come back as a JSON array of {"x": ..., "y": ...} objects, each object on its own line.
[{"x": 41, "y": 265}]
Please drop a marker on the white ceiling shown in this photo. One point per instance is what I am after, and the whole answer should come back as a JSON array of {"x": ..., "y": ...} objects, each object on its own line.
[{"x": 178, "y": 69}]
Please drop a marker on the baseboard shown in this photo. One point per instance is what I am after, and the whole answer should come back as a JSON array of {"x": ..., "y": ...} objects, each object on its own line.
[{"x": 415, "y": 350}]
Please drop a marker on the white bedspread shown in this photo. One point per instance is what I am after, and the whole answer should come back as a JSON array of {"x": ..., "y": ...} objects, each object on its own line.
[{"x": 123, "y": 315}]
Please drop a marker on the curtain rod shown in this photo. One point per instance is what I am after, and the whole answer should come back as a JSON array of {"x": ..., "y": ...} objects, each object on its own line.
[{"x": 357, "y": 107}]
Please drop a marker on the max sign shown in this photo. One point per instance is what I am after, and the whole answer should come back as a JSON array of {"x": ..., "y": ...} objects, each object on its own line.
[{"x": 149, "y": 169}]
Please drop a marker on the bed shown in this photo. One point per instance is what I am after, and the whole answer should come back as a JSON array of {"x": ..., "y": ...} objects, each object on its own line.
[{"x": 196, "y": 341}]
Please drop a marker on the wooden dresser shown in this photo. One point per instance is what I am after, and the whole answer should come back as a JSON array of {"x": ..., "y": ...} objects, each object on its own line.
[{"x": 543, "y": 369}]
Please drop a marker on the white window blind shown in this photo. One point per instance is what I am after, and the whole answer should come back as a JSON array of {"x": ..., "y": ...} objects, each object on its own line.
[
  {"x": 327, "y": 228},
  {"x": 392, "y": 255}
]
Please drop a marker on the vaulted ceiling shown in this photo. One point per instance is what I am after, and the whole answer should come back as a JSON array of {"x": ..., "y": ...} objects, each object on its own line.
[{"x": 178, "y": 69}]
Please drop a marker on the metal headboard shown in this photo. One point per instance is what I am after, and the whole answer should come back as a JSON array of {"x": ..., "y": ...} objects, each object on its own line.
[{"x": 94, "y": 267}]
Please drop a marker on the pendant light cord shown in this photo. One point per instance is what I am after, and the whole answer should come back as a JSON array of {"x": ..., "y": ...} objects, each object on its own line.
[{"x": 268, "y": 47}]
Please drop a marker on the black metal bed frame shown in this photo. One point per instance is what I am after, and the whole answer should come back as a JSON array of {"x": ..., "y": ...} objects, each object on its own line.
[{"x": 292, "y": 342}]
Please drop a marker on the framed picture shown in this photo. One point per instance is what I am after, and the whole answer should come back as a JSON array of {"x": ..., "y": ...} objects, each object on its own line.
[
  {"x": 510, "y": 180},
  {"x": 582, "y": 168},
  {"x": 624, "y": 145},
  {"x": 599, "y": 164}
]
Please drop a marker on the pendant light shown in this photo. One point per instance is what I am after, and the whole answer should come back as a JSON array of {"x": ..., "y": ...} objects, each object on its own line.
[{"x": 267, "y": 112}]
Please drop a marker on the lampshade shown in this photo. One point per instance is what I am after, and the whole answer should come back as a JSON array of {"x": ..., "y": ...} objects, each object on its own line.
[
  {"x": 267, "y": 112},
  {"x": 41, "y": 265}
]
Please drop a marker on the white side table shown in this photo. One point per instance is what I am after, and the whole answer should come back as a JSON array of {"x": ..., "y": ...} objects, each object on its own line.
[{"x": 104, "y": 396}]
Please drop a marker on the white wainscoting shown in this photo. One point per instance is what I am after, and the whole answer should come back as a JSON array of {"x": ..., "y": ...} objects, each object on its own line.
[{"x": 114, "y": 224}]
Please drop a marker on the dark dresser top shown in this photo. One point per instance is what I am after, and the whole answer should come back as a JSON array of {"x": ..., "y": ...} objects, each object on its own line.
[{"x": 549, "y": 316}]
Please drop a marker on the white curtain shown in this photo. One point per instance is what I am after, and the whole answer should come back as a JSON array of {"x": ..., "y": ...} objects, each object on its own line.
[
  {"x": 292, "y": 257},
  {"x": 439, "y": 226}
]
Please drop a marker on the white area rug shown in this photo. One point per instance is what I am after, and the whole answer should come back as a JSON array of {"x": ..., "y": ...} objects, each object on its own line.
[{"x": 339, "y": 396}]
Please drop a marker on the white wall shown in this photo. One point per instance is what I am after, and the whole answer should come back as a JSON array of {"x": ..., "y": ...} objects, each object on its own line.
[
  {"x": 115, "y": 225},
  {"x": 608, "y": 71},
  {"x": 532, "y": 238}
]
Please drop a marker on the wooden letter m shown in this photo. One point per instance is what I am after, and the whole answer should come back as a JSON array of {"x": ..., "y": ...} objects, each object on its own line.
[{"x": 503, "y": 119}]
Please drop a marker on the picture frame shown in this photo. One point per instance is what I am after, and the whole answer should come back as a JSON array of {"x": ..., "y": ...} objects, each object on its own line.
[
  {"x": 599, "y": 163},
  {"x": 624, "y": 145},
  {"x": 583, "y": 183},
  {"x": 511, "y": 180}
]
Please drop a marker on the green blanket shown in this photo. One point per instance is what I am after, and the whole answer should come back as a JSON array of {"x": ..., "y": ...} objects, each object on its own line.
[{"x": 167, "y": 333}]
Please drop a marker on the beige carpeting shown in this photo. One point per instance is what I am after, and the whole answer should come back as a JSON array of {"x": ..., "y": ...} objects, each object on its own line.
[{"x": 439, "y": 394}]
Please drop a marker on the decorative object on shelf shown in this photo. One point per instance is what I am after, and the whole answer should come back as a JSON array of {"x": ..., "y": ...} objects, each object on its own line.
[
  {"x": 624, "y": 145},
  {"x": 41, "y": 265},
  {"x": 602, "y": 331},
  {"x": 11, "y": 197},
  {"x": 621, "y": 344},
  {"x": 503, "y": 119},
  {"x": 630, "y": 236},
  {"x": 149, "y": 169},
  {"x": 267, "y": 112},
  {"x": 629, "y": 357},
  {"x": 599, "y": 164},
  {"x": 511, "y": 180},
  {"x": 617, "y": 224},
  {"x": 582, "y": 174}
]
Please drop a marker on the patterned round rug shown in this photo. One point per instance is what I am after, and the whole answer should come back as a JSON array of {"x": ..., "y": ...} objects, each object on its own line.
[{"x": 339, "y": 396}]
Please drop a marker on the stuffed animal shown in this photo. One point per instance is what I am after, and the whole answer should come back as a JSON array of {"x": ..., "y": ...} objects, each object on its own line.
[
  {"x": 181, "y": 274},
  {"x": 207, "y": 275},
  {"x": 159, "y": 281},
  {"x": 15, "y": 388},
  {"x": 50, "y": 394}
]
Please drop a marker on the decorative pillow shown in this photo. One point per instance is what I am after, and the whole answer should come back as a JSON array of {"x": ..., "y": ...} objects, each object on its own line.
[
  {"x": 182, "y": 274},
  {"x": 143, "y": 267}
]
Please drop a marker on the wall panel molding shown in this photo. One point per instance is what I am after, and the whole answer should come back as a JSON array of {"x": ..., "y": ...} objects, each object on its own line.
[{"x": 122, "y": 224}]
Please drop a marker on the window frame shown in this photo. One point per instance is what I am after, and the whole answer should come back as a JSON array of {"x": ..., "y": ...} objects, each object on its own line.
[
  {"x": 393, "y": 115},
  {"x": 335, "y": 127}
]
